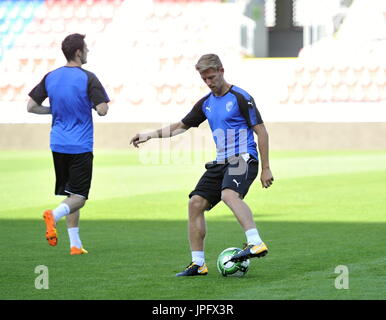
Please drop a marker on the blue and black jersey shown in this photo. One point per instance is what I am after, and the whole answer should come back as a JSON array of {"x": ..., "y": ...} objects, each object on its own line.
[
  {"x": 72, "y": 92},
  {"x": 231, "y": 118}
]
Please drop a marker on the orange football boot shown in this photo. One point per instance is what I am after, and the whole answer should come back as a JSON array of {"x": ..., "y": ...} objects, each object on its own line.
[
  {"x": 51, "y": 234},
  {"x": 75, "y": 251}
]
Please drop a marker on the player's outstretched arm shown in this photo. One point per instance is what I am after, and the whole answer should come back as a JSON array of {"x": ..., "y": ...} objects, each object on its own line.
[
  {"x": 34, "y": 107},
  {"x": 167, "y": 132},
  {"x": 266, "y": 177}
]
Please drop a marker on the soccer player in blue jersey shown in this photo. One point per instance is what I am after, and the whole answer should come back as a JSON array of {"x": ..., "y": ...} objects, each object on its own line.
[
  {"x": 73, "y": 92},
  {"x": 233, "y": 119}
]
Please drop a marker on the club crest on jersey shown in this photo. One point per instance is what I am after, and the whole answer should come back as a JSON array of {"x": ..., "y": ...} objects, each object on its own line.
[{"x": 229, "y": 106}]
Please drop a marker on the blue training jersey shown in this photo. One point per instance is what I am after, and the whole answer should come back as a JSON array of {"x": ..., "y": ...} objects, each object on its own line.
[
  {"x": 72, "y": 92},
  {"x": 231, "y": 118}
]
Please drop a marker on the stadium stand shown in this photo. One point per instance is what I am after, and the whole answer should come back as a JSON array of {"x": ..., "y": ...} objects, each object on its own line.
[
  {"x": 179, "y": 31},
  {"x": 348, "y": 68},
  {"x": 144, "y": 53},
  {"x": 32, "y": 32}
]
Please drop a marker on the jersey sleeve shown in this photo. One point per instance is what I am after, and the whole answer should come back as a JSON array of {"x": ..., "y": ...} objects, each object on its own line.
[
  {"x": 39, "y": 93},
  {"x": 96, "y": 92},
  {"x": 196, "y": 116},
  {"x": 249, "y": 110}
]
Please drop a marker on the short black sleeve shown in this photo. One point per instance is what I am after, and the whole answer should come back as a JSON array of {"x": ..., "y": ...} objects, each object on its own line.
[
  {"x": 248, "y": 109},
  {"x": 96, "y": 92},
  {"x": 39, "y": 93},
  {"x": 196, "y": 116}
]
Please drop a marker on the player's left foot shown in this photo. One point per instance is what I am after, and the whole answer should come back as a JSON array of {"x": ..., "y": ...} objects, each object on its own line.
[
  {"x": 51, "y": 233},
  {"x": 75, "y": 251},
  {"x": 251, "y": 251}
]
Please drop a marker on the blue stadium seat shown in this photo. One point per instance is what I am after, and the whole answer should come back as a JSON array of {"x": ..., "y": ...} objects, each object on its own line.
[{"x": 14, "y": 17}]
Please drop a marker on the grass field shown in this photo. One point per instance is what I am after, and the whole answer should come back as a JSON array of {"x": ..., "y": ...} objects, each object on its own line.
[{"x": 325, "y": 209}]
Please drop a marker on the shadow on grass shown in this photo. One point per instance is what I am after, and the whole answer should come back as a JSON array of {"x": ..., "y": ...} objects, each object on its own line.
[{"x": 138, "y": 259}]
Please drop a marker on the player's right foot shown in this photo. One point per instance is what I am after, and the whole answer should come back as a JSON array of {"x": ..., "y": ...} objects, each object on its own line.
[
  {"x": 194, "y": 270},
  {"x": 51, "y": 234},
  {"x": 251, "y": 251},
  {"x": 76, "y": 251}
]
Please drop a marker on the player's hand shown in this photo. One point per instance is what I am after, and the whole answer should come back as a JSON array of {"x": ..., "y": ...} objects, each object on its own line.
[
  {"x": 266, "y": 178},
  {"x": 139, "y": 138}
]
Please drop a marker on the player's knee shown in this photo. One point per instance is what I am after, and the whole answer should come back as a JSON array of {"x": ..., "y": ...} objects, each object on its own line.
[
  {"x": 82, "y": 203},
  {"x": 197, "y": 204},
  {"x": 228, "y": 196},
  {"x": 77, "y": 201}
]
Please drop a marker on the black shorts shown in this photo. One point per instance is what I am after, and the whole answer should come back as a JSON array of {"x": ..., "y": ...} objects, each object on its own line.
[
  {"x": 236, "y": 174},
  {"x": 73, "y": 173}
]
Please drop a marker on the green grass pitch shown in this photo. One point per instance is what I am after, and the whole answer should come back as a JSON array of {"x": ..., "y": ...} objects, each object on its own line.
[{"x": 325, "y": 209}]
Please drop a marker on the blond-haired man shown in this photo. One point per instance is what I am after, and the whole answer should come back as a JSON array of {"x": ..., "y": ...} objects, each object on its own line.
[{"x": 233, "y": 119}]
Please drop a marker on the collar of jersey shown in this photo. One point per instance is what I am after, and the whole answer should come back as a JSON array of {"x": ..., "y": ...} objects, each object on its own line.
[{"x": 226, "y": 92}]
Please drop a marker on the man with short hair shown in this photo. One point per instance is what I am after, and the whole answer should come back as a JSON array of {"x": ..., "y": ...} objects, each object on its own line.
[
  {"x": 233, "y": 119},
  {"x": 73, "y": 92}
]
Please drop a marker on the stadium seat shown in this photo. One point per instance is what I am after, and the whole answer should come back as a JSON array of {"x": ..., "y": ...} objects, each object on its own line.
[
  {"x": 292, "y": 80},
  {"x": 358, "y": 65},
  {"x": 382, "y": 92},
  {"x": 3, "y": 13},
  {"x": 5, "y": 26},
  {"x": 320, "y": 79},
  {"x": 365, "y": 78},
  {"x": 135, "y": 96},
  {"x": 357, "y": 93},
  {"x": 44, "y": 26},
  {"x": 380, "y": 77},
  {"x": 326, "y": 93},
  {"x": 334, "y": 78},
  {"x": 68, "y": 11},
  {"x": 28, "y": 11},
  {"x": 305, "y": 79},
  {"x": 8, "y": 41},
  {"x": 14, "y": 11},
  {"x": 164, "y": 94},
  {"x": 373, "y": 65},
  {"x": 327, "y": 66},
  {"x": 299, "y": 94},
  {"x": 58, "y": 25},
  {"x": 181, "y": 93},
  {"x": 42, "y": 11},
  {"x": 95, "y": 11},
  {"x": 350, "y": 78},
  {"x": 4, "y": 82},
  {"x": 284, "y": 95},
  {"x": 312, "y": 95},
  {"x": 341, "y": 93},
  {"x": 54, "y": 12},
  {"x": 107, "y": 10},
  {"x": 81, "y": 11},
  {"x": 9, "y": 94},
  {"x": 26, "y": 65},
  {"x": 341, "y": 65},
  {"x": 372, "y": 93}
]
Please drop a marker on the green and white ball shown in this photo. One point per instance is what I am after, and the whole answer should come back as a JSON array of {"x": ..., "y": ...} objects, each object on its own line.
[{"x": 228, "y": 268}]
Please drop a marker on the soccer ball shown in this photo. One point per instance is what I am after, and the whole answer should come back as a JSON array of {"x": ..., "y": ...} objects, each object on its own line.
[{"x": 228, "y": 268}]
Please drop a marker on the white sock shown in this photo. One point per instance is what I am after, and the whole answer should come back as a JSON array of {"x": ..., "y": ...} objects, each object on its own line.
[
  {"x": 198, "y": 257},
  {"x": 253, "y": 237},
  {"x": 61, "y": 211},
  {"x": 73, "y": 233}
]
